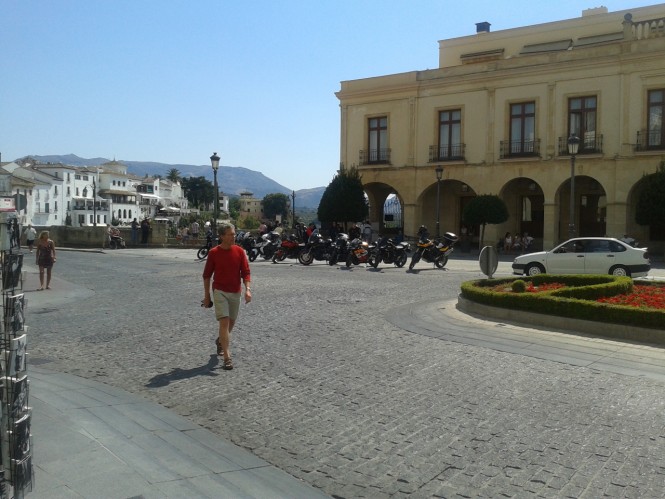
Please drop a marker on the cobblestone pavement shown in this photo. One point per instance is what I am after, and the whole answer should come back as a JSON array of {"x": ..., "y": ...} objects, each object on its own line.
[{"x": 327, "y": 389}]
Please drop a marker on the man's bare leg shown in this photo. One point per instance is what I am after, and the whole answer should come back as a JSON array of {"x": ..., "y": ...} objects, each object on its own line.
[{"x": 225, "y": 327}]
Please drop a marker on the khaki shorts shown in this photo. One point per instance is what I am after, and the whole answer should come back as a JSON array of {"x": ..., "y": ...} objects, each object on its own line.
[{"x": 226, "y": 304}]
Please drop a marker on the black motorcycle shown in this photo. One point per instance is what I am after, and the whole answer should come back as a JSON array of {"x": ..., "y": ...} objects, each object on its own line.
[
  {"x": 210, "y": 242},
  {"x": 248, "y": 243},
  {"x": 388, "y": 251},
  {"x": 339, "y": 249},
  {"x": 317, "y": 248},
  {"x": 433, "y": 250}
]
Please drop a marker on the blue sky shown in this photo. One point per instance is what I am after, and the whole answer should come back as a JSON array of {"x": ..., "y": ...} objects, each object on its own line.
[{"x": 173, "y": 81}]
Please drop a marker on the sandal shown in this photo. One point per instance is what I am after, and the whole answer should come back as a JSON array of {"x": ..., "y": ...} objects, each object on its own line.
[
  {"x": 228, "y": 364},
  {"x": 219, "y": 347}
]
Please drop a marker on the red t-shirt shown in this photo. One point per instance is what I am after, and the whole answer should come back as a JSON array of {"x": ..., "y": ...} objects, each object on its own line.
[{"x": 229, "y": 266}]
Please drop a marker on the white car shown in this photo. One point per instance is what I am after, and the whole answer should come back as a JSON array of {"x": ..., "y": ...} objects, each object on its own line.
[{"x": 586, "y": 255}]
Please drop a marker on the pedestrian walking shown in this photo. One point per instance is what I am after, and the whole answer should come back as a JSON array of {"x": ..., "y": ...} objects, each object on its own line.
[
  {"x": 30, "y": 235},
  {"x": 195, "y": 229},
  {"x": 45, "y": 258},
  {"x": 225, "y": 268}
]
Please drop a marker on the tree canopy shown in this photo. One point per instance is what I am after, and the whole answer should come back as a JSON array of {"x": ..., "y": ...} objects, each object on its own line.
[
  {"x": 650, "y": 209},
  {"x": 483, "y": 210},
  {"x": 344, "y": 198},
  {"x": 199, "y": 191},
  {"x": 275, "y": 204}
]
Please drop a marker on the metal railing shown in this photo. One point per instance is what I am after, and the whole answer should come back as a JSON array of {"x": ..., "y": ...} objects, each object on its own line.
[
  {"x": 454, "y": 152},
  {"x": 519, "y": 148},
  {"x": 374, "y": 157},
  {"x": 649, "y": 141},
  {"x": 589, "y": 145}
]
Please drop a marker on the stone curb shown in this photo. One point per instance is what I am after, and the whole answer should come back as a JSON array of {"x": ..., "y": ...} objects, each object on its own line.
[{"x": 526, "y": 319}]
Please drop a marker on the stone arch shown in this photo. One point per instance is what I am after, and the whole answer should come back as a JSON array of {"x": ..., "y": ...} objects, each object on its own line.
[
  {"x": 452, "y": 196},
  {"x": 377, "y": 193},
  {"x": 591, "y": 205}
]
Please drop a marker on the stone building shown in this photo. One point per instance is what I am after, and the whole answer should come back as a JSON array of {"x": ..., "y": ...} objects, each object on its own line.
[{"x": 495, "y": 118}]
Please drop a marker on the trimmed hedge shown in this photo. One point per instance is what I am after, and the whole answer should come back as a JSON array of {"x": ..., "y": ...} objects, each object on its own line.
[{"x": 576, "y": 300}]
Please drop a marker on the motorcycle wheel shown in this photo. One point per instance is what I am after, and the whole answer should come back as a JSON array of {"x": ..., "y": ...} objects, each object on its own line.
[
  {"x": 333, "y": 259},
  {"x": 401, "y": 259},
  {"x": 414, "y": 259},
  {"x": 374, "y": 260},
  {"x": 305, "y": 257},
  {"x": 441, "y": 261},
  {"x": 113, "y": 244},
  {"x": 251, "y": 256},
  {"x": 202, "y": 253},
  {"x": 349, "y": 261},
  {"x": 277, "y": 257}
]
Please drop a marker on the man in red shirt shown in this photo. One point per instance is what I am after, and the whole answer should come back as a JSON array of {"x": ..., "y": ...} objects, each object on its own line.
[{"x": 226, "y": 264}]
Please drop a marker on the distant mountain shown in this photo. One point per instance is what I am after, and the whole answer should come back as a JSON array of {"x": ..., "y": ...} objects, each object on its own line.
[{"x": 231, "y": 179}]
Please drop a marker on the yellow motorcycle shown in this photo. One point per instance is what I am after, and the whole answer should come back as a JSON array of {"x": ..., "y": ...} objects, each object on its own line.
[{"x": 434, "y": 251}]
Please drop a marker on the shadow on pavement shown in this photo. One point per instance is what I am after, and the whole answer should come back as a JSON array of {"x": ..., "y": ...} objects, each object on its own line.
[{"x": 178, "y": 374}]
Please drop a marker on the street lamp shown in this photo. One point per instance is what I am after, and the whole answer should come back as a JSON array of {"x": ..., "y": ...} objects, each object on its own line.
[
  {"x": 214, "y": 159},
  {"x": 293, "y": 208},
  {"x": 94, "y": 201},
  {"x": 439, "y": 175},
  {"x": 573, "y": 146}
]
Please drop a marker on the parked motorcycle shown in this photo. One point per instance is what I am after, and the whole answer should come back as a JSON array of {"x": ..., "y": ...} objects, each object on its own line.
[
  {"x": 317, "y": 248},
  {"x": 339, "y": 249},
  {"x": 359, "y": 252},
  {"x": 248, "y": 243},
  {"x": 388, "y": 251},
  {"x": 268, "y": 244},
  {"x": 210, "y": 242},
  {"x": 290, "y": 247},
  {"x": 433, "y": 250}
]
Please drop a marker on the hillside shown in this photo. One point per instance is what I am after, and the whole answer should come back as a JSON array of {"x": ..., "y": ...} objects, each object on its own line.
[{"x": 231, "y": 179}]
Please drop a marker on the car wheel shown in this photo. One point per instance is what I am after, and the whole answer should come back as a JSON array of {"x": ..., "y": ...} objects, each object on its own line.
[
  {"x": 620, "y": 271},
  {"x": 534, "y": 269}
]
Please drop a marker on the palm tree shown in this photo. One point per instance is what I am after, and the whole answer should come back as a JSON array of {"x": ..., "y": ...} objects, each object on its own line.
[{"x": 173, "y": 175}]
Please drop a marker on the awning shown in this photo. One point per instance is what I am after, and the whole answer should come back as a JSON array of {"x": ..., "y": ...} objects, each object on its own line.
[{"x": 151, "y": 196}]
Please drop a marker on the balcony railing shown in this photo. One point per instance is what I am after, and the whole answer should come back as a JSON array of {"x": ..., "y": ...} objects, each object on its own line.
[
  {"x": 589, "y": 145},
  {"x": 453, "y": 152},
  {"x": 520, "y": 148},
  {"x": 649, "y": 140},
  {"x": 640, "y": 30},
  {"x": 374, "y": 157}
]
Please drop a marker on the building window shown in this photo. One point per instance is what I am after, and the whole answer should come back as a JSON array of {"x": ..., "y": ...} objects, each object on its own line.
[
  {"x": 55, "y": 187},
  {"x": 85, "y": 177},
  {"x": 655, "y": 138},
  {"x": 378, "y": 140},
  {"x": 77, "y": 192},
  {"x": 69, "y": 177},
  {"x": 46, "y": 208},
  {"x": 450, "y": 135},
  {"x": 55, "y": 206},
  {"x": 522, "y": 128},
  {"x": 77, "y": 176},
  {"x": 582, "y": 121}
]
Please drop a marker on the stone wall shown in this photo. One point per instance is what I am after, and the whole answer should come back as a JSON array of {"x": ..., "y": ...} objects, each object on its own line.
[{"x": 95, "y": 237}]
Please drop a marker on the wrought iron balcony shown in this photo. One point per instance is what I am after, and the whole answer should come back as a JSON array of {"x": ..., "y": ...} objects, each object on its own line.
[
  {"x": 589, "y": 145},
  {"x": 454, "y": 152},
  {"x": 649, "y": 140},
  {"x": 374, "y": 157},
  {"x": 520, "y": 148}
]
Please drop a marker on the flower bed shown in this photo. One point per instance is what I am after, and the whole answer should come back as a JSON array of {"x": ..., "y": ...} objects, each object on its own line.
[{"x": 596, "y": 298}]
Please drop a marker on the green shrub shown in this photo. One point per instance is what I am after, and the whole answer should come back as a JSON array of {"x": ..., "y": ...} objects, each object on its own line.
[{"x": 518, "y": 286}]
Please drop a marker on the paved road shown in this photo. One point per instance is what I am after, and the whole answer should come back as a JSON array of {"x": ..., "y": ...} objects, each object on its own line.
[{"x": 329, "y": 389}]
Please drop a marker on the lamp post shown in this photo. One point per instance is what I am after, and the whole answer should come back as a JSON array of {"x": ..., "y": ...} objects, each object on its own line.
[
  {"x": 293, "y": 208},
  {"x": 94, "y": 199},
  {"x": 439, "y": 175},
  {"x": 573, "y": 146},
  {"x": 214, "y": 159}
]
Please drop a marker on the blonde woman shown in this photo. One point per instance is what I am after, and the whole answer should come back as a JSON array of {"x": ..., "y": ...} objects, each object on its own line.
[{"x": 45, "y": 258}]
